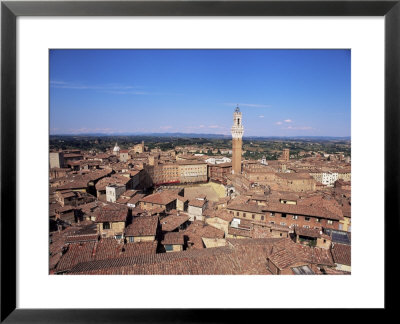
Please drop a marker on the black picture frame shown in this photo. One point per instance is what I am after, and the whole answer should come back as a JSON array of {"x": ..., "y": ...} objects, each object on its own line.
[{"x": 10, "y": 10}]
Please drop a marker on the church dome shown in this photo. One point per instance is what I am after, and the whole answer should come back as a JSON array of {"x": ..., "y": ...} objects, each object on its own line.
[{"x": 116, "y": 148}]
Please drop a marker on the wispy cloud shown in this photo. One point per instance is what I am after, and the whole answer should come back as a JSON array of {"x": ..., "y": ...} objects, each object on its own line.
[
  {"x": 299, "y": 127},
  {"x": 165, "y": 127},
  {"x": 83, "y": 130},
  {"x": 261, "y": 116},
  {"x": 107, "y": 88},
  {"x": 250, "y": 105},
  {"x": 285, "y": 121}
]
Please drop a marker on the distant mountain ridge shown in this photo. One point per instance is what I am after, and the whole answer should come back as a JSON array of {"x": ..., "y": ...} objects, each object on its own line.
[{"x": 194, "y": 135}]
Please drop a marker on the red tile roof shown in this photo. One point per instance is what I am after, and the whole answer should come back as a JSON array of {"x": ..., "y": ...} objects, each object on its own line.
[
  {"x": 75, "y": 254},
  {"x": 112, "y": 213},
  {"x": 239, "y": 232},
  {"x": 171, "y": 222},
  {"x": 173, "y": 238},
  {"x": 142, "y": 226},
  {"x": 341, "y": 253},
  {"x": 301, "y": 210},
  {"x": 160, "y": 198},
  {"x": 233, "y": 259},
  {"x": 197, "y": 203}
]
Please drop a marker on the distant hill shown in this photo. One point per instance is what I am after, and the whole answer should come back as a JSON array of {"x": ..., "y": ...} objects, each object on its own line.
[
  {"x": 178, "y": 135},
  {"x": 213, "y": 136}
]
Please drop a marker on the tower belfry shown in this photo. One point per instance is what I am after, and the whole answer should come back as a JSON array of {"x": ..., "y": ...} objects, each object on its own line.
[{"x": 237, "y": 134}]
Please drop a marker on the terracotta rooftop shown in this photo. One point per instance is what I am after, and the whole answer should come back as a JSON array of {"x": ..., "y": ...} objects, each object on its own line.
[
  {"x": 249, "y": 207},
  {"x": 75, "y": 254},
  {"x": 241, "y": 256},
  {"x": 112, "y": 213},
  {"x": 197, "y": 203},
  {"x": 73, "y": 184},
  {"x": 160, "y": 198},
  {"x": 239, "y": 232},
  {"x": 341, "y": 253},
  {"x": 173, "y": 238},
  {"x": 142, "y": 226},
  {"x": 171, "y": 222},
  {"x": 301, "y": 210},
  {"x": 310, "y": 232}
]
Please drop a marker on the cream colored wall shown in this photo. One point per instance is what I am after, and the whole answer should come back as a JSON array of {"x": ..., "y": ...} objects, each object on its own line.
[
  {"x": 346, "y": 221},
  {"x": 143, "y": 238},
  {"x": 321, "y": 244},
  {"x": 175, "y": 248},
  {"x": 115, "y": 227},
  {"x": 218, "y": 223},
  {"x": 343, "y": 267}
]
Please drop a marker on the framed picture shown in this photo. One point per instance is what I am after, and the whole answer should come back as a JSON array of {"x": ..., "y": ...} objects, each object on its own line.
[{"x": 29, "y": 49}]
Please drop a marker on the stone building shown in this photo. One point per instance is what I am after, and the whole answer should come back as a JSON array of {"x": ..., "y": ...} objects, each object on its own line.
[
  {"x": 192, "y": 171},
  {"x": 143, "y": 228},
  {"x": 124, "y": 155},
  {"x": 196, "y": 208},
  {"x": 113, "y": 191},
  {"x": 219, "y": 172},
  {"x": 160, "y": 200},
  {"x": 111, "y": 221},
  {"x": 173, "y": 242},
  {"x": 297, "y": 182},
  {"x": 138, "y": 148},
  {"x": 56, "y": 160}
]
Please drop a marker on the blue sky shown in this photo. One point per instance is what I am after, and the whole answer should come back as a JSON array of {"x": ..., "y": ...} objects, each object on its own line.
[{"x": 280, "y": 92}]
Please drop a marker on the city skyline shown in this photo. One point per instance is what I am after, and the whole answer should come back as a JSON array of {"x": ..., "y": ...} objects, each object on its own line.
[{"x": 280, "y": 92}]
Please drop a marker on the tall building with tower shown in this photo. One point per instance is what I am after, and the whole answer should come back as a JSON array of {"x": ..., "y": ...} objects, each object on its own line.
[
  {"x": 237, "y": 134},
  {"x": 286, "y": 155}
]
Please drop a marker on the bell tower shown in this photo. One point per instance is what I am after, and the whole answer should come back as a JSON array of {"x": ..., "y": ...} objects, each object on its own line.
[{"x": 237, "y": 134}]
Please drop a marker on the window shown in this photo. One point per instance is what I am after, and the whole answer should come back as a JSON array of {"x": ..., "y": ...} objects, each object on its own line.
[
  {"x": 280, "y": 234},
  {"x": 272, "y": 214},
  {"x": 295, "y": 217},
  {"x": 306, "y": 226},
  {"x": 168, "y": 247},
  {"x": 244, "y": 214},
  {"x": 283, "y": 215},
  {"x": 253, "y": 216},
  {"x": 118, "y": 237},
  {"x": 262, "y": 217},
  {"x": 282, "y": 223},
  {"x": 307, "y": 219},
  {"x": 131, "y": 239},
  {"x": 237, "y": 213},
  {"x": 106, "y": 225},
  {"x": 318, "y": 220},
  {"x": 330, "y": 222}
]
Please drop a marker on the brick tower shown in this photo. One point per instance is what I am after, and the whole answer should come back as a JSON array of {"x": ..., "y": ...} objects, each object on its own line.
[
  {"x": 286, "y": 155},
  {"x": 237, "y": 134}
]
